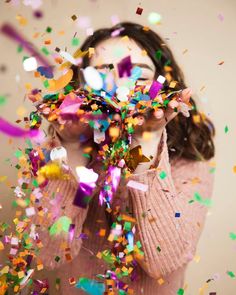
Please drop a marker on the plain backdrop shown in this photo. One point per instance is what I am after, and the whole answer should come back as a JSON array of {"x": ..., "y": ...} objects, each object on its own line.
[{"x": 202, "y": 35}]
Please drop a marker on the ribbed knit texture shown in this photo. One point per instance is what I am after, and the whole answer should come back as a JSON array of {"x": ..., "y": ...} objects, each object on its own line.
[{"x": 169, "y": 242}]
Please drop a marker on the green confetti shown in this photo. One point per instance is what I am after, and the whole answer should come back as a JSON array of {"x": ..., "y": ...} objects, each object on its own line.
[
  {"x": 180, "y": 291},
  {"x": 168, "y": 62},
  {"x": 158, "y": 249},
  {"x": 29, "y": 143},
  {"x": 158, "y": 54},
  {"x": 46, "y": 84},
  {"x": 75, "y": 41},
  {"x": 19, "y": 49},
  {"x": 127, "y": 226},
  {"x": 138, "y": 244},
  {"x": 198, "y": 198},
  {"x": 122, "y": 292},
  {"x": 18, "y": 154},
  {"x": 61, "y": 225},
  {"x": 231, "y": 274},
  {"x": 45, "y": 50},
  {"x": 212, "y": 170},
  {"x": 57, "y": 258},
  {"x": 232, "y": 236},
  {"x": 2, "y": 100},
  {"x": 48, "y": 30},
  {"x": 86, "y": 156},
  {"x": 162, "y": 174},
  {"x": 226, "y": 129},
  {"x": 35, "y": 183}
]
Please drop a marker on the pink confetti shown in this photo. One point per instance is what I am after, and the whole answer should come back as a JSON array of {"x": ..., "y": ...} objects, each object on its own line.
[{"x": 221, "y": 17}]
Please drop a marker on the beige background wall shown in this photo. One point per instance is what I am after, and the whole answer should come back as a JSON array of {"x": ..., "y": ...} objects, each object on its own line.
[{"x": 186, "y": 24}]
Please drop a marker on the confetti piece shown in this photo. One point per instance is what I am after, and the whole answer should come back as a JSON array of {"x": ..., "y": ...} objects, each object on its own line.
[
  {"x": 226, "y": 129},
  {"x": 137, "y": 185},
  {"x": 234, "y": 169},
  {"x": 125, "y": 67},
  {"x": 160, "y": 281},
  {"x": 177, "y": 214},
  {"x": 74, "y": 17},
  {"x": 162, "y": 174},
  {"x": 139, "y": 11},
  {"x": 75, "y": 41},
  {"x": 3, "y": 100},
  {"x": 221, "y": 63},
  {"x": 61, "y": 225},
  {"x": 198, "y": 198},
  {"x": 220, "y": 17},
  {"x": 89, "y": 31},
  {"x": 90, "y": 286},
  {"x": 158, "y": 54},
  {"x": 154, "y": 18},
  {"x": 231, "y": 274},
  {"x": 30, "y": 64},
  {"x": 93, "y": 78},
  {"x": 180, "y": 292},
  {"x": 232, "y": 236},
  {"x": 158, "y": 249}
]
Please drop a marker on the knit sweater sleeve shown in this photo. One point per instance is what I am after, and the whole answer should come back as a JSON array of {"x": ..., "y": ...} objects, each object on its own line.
[{"x": 171, "y": 213}]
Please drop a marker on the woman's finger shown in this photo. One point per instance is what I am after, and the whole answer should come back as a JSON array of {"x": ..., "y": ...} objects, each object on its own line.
[{"x": 185, "y": 95}]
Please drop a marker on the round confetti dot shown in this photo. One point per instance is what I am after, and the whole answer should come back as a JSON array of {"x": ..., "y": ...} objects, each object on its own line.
[
  {"x": 30, "y": 64},
  {"x": 58, "y": 153},
  {"x": 154, "y": 18},
  {"x": 93, "y": 78},
  {"x": 38, "y": 14},
  {"x": 122, "y": 93}
]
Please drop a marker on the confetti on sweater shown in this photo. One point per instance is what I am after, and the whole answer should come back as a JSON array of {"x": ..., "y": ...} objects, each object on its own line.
[
  {"x": 180, "y": 292},
  {"x": 137, "y": 185}
]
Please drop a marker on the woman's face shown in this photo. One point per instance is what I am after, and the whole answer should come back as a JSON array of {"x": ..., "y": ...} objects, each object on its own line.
[{"x": 113, "y": 50}]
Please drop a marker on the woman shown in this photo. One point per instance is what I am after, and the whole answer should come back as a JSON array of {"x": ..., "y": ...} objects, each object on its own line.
[{"x": 169, "y": 219}]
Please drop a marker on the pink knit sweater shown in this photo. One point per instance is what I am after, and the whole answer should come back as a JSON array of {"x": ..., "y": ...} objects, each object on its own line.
[{"x": 168, "y": 241}]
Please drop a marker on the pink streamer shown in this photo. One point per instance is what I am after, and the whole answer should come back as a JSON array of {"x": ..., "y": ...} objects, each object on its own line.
[{"x": 11, "y": 130}]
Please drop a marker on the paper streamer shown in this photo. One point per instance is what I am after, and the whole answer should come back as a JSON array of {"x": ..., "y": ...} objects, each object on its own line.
[
  {"x": 11, "y": 130},
  {"x": 55, "y": 85},
  {"x": 12, "y": 33}
]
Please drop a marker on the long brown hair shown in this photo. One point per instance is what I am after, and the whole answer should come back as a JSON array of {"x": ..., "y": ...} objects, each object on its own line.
[{"x": 188, "y": 137}]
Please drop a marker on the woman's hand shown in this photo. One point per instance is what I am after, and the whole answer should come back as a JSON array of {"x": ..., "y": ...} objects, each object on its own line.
[
  {"x": 73, "y": 131},
  {"x": 154, "y": 127},
  {"x": 161, "y": 117}
]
